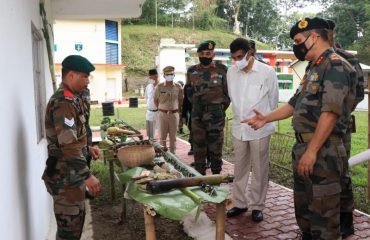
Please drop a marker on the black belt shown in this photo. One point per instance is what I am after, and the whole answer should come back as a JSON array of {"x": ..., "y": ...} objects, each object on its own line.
[{"x": 153, "y": 110}]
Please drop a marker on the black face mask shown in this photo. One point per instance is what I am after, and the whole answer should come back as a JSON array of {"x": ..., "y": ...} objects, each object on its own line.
[
  {"x": 300, "y": 50},
  {"x": 205, "y": 61}
]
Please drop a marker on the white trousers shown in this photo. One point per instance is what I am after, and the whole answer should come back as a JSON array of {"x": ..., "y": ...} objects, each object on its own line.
[
  {"x": 151, "y": 123},
  {"x": 251, "y": 156}
]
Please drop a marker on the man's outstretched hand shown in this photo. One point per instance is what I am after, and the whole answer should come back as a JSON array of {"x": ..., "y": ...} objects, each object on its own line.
[{"x": 257, "y": 121}]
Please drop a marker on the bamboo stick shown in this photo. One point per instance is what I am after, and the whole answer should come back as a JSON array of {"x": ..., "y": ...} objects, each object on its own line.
[
  {"x": 220, "y": 221},
  {"x": 149, "y": 226}
]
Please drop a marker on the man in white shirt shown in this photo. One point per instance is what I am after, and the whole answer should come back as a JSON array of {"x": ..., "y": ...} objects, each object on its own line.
[
  {"x": 251, "y": 85},
  {"x": 151, "y": 113}
]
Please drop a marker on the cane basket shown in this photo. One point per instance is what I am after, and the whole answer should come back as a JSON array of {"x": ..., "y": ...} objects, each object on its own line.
[{"x": 136, "y": 155}]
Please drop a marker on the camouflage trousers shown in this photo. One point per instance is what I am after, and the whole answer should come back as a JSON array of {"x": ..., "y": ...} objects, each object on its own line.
[
  {"x": 208, "y": 133},
  {"x": 346, "y": 197},
  {"x": 69, "y": 208},
  {"x": 317, "y": 197}
]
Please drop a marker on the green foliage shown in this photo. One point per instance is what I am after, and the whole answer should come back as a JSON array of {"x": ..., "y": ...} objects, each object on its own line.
[{"x": 140, "y": 43}]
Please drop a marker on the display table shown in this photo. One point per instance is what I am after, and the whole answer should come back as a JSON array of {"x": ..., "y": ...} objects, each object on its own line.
[{"x": 177, "y": 203}]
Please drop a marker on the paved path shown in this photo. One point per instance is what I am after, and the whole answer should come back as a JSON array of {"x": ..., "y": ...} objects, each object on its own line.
[{"x": 279, "y": 220}]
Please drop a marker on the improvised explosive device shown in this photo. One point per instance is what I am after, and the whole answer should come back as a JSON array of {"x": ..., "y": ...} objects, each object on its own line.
[{"x": 166, "y": 185}]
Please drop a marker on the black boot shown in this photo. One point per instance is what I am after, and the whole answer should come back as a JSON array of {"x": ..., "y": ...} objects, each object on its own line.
[
  {"x": 306, "y": 236},
  {"x": 346, "y": 224}
]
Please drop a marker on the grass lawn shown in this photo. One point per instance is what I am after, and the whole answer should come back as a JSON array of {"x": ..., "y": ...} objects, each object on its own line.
[{"x": 280, "y": 170}]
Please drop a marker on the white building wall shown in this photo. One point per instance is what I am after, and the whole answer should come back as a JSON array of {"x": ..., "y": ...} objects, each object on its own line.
[
  {"x": 25, "y": 206},
  {"x": 172, "y": 56},
  {"x": 91, "y": 34}
]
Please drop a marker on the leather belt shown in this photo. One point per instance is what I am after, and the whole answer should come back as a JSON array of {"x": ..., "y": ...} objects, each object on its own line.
[
  {"x": 153, "y": 110},
  {"x": 306, "y": 137},
  {"x": 212, "y": 107},
  {"x": 169, "y": 111}
]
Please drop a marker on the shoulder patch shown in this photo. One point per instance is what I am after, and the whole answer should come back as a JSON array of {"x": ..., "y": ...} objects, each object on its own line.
[
  {"x": 335, "y": 59},
  {"x": 68, "y": 94}
]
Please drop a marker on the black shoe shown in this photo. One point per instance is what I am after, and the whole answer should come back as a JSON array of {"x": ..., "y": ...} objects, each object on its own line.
[
  {"x": 306, "y": 236},
  {"x": 346, "y": 224},
  {"x": 190, "y": 152},
  {"x": 235, "y": 211},
  {"x": 257, "y": 215}
]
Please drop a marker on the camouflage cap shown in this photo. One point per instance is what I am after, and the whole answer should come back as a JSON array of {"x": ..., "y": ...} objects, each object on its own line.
[
  {"x": 307, "y": 24},
  {"x": 78, "y": 63},
  {"x": 168, "y": 70},
  {"x": 331, "y": 24},
  {"x": 206, "y": 45}
]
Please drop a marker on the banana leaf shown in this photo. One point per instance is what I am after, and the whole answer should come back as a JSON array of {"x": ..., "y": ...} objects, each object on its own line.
[{"x": 174, "y": 204}]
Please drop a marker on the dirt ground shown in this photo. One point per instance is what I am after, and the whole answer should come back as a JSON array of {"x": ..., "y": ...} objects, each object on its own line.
[{"x": 107, "y": 223}]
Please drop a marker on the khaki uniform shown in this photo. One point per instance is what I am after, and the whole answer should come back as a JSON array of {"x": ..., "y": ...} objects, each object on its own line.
[{"x": 169, "y": 97}]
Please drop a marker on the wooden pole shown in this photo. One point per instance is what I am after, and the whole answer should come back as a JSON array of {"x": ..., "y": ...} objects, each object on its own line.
[
  {"x": 368, "y": 136},
  {"x": 220, "y": 221},
  {"x": 149, "y": 226},
  {"x": 111, "y": 176}
]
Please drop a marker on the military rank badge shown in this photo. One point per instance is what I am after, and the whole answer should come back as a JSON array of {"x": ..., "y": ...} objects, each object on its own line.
[{"x": 69, "y": 122}]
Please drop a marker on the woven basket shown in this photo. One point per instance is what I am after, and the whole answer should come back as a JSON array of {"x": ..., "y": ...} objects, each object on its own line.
[{"x": 136, "y": 155}]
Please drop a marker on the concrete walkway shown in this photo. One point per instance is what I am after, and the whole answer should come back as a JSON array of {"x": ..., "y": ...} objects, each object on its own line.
[{"x": 279, "y": 219}]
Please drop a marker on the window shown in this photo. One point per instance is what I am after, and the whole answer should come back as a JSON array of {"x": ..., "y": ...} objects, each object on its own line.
[
  {"x": 111, "y": 42},
  {"x": 39, "y": 82},
  {"x": 111, "y": 30},
  {"x": 111, "y": 53}
]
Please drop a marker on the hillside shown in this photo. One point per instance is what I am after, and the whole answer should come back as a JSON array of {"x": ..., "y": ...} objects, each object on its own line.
[{"x": 140, "y": 43}]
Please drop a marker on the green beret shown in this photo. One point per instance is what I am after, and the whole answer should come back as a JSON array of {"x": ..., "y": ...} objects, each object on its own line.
[
  {"x": 331, "y": 24},
  {"x": 78, "y": 63},
  {"x": 206, "y": 45},
  {"x": 307, "y": 24},
  {"x": 169, "y": 70}
]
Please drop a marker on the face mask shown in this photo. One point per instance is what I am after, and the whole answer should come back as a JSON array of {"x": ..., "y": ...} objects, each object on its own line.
[
  {"x": 205, "y": 61},
  {"x": 169, "y": 78},
  {"x": 242, "y": 63},
  {"x": 151, "y": 81},
  {"x": 300, "y": 50}
]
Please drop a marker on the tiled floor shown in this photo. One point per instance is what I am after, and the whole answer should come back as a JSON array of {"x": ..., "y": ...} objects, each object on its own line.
[{"x": 279, "y": 220}]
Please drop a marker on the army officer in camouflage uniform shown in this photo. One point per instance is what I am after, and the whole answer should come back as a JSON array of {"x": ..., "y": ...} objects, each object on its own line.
[
  {"x": 67, "y": 175},
  {"x": 346, "y": 197},
  {"x": 168, "y": 98},
  {"x": 209, "y": 97},
  {"x": 320, "y": 108}
]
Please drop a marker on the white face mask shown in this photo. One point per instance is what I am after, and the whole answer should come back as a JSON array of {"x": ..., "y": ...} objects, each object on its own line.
[
  {"x": 242, "y": 63},
  {"x": 169, "y": 78},
  {"x": 151, "y": 81}
]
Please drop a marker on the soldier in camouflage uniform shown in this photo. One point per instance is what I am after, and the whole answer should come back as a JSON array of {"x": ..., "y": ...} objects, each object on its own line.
[
  {"x": 320, "y": 108},
  {"x": 209, "y": 97},
  {"x": 66, "y": 175},
  {"x": 346, "y": 197},
  {"x": 90, "y": 151}
]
